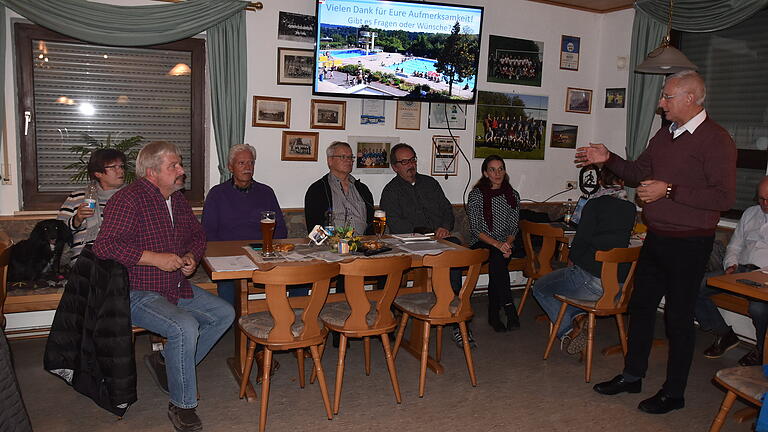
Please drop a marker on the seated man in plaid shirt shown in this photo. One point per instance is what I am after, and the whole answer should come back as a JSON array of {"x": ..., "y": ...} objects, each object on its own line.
[{"x": 149, "y": 228}]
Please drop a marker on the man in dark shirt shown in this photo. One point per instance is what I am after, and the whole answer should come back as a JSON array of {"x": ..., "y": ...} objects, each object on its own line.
[
  {"x": 687, "y": 176},
  {"x": 149, "y": 228}
]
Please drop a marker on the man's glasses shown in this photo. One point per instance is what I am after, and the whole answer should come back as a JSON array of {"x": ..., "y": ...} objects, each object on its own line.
[
  {"x": 118, "y": 166},
  {"x": 405, "y": 162},
  {"x": 344, "y": 157},
  {"x": 667, "y": 97}
]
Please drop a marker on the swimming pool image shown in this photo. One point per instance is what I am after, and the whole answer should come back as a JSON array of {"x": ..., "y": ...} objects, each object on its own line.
[
  {"x": 349, "y": 53},
  {"x": 425, "y": 65}
]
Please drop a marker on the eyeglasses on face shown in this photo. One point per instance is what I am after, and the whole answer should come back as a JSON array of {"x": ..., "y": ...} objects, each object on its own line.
[
  {"x": 667, "y": 97},
  {"x": 405, "y": 162},
  {"x": 344, "y": 157},
  {"x": 115, "y": 166}
]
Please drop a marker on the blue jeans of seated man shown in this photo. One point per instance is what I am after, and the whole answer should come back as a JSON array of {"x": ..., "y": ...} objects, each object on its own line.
[
  {"x": 571, "y": 282},
  {"x": 191, "y": 328},
  {"x": 709, "y": 316}
]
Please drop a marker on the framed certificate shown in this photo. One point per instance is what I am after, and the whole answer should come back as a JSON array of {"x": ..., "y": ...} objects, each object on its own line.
[
  {"x": 444, "y": 150},
  {"x": 408, "y": 115}
]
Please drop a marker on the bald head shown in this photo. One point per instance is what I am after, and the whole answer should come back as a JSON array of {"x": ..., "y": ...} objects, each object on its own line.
[{"x": 690, "y": 82}]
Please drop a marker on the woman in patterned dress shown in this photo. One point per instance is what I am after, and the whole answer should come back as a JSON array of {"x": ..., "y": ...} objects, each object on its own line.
[{"x": 494, "y": 211}]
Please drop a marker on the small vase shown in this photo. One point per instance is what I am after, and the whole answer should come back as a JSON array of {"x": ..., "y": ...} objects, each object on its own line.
[{"x": 343, "y": 247}]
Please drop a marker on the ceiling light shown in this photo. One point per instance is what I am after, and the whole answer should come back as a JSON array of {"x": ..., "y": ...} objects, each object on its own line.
[{"x": 665, "y": 59}]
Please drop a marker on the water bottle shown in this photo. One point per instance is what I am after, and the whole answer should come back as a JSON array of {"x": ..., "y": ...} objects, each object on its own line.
[
  {"x": 91, "y": 195},
  {"x": 329, "y": 225}
]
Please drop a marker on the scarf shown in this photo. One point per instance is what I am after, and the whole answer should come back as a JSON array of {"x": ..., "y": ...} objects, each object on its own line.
[{"x": 489, "y": 194}]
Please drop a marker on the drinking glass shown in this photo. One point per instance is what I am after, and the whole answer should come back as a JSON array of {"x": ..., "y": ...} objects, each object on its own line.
[
  {"x": 267, "y": 230},
  {"x": 379, "y": 223}
]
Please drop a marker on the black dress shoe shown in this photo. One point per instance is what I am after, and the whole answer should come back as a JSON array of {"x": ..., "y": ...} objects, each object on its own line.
[
  {"x": 660, "y": 403},
  {"x": 721, "y": 345},
  {"x": 752, "y": 358},
  {"x": 618, "y": 385},
  {"x": 513, "y": 322}
]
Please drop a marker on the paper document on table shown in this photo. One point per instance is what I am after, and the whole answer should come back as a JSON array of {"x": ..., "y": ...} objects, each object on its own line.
[
  {"x": 422, "y": 248},
  {"x": 231, "y": 263},
  {"x": 328, "y": 256},
  {"x": 414, "y": 237}
]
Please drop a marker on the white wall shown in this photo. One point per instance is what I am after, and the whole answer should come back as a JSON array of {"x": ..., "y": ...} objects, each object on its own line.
[{"x": 603, "y": 38}]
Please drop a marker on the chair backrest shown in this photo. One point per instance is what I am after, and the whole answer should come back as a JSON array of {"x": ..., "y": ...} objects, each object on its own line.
[
  {"x": 612, "y": 259},
  {"x": 5, "y": 259},
  {"x": 540, "y": 263},
  {"x": 275, "y": 282},
  {"x": 355, "y": 272},
  {"x": 441, "y": 282}
]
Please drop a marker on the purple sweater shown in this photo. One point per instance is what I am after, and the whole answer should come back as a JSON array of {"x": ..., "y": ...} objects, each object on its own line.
[
  {"x": 229, "y": 214},
  {"x": 702, "y": 169}
]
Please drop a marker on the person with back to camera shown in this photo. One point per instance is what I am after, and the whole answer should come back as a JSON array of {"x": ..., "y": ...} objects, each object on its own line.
[{"x": 493, "y": 207}]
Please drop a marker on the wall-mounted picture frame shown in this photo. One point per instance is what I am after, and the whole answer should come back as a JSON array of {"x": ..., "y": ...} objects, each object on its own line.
[
  {"x": 372, "y": 153},
  {"x": 515, "y": 61},
  {"x": 447, "y": 116},
  {"x": 578, "y": 100},
  {"x": 299, "y": 146},
  {"x": 295, "y": 66},
  {"x": 570, "y": 46},
  {"x": 271, "y": 112},
  {"x": 408, "y": 115},
  {"x": 328, "y": 114},
  {"x": 511, "y": 125},
  {"x": 296, "y": 27},
  {"x": 564, "y": 136},
  {"x": 614, "y": 97},
  {"x": 444, "y": 151}
]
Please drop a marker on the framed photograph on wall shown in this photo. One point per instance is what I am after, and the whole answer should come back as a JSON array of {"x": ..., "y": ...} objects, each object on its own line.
[
  {"x": 564, "y": 136},
  {"x": 295, "y": 66},
  {"x": 296, "y": 27},
  {"x": 444, "y": 150},
  {"x": 408, "y": 115},
  {"x": 328, "y": 114},
  {"x": 614, "y": 97},
  {"x": 578, "y": 100},
  {"x": 447, "y": 116},
  {"x": 515, "y": 61},
  {"x": 511, "y": 125},
  {"x": 299, "y": 146},
  {"x": 372, "y": 153},
  {"x": 569, "y": 52},
  {"x": 271, "y": 112}
]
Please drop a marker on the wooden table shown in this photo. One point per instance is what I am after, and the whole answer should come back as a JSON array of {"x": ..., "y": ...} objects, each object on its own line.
[{"x": 421, "y": 282}]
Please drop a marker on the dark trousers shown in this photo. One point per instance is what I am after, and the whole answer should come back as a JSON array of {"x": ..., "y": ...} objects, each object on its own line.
[
  {"x": 499, "y": 293},
  {"x": 668, "y": 267}
]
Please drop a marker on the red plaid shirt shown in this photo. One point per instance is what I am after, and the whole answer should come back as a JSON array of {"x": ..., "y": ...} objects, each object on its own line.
[{"x": 136, "y": 219}]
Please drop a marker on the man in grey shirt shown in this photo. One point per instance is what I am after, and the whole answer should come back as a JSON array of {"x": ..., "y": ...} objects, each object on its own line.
[{"x": 415, "y": 203}]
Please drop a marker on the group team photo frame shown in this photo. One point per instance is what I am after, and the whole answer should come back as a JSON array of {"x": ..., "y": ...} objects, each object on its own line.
[{"x": 295, "y": 66}]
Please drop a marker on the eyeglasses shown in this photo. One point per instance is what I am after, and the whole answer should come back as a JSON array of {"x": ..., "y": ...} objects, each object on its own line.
[
  {"x": 405, "y": 162},
  {"x": 667, "y": 97},
  {"x": 344, "y": 157},
  {"x": 118, "y": 166}
]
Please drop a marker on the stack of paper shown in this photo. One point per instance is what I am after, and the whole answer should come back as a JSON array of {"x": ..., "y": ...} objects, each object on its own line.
[
  {"x": 412, "y": 237},
  {"x": 231, "y": 263}
]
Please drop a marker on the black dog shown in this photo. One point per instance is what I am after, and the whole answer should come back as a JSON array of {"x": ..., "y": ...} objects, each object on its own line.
[{"x": 41, "y": 253}]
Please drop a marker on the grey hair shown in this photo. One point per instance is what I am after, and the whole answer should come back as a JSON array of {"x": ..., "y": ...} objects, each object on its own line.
[
  {"x": 237, "y": 148},
  {"x": 331, "y": 150},
  {"x": 151, "y": 156},
  {"x": 693, "y": 82}
]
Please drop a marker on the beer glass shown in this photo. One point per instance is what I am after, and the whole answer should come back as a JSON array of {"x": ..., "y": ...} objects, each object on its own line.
[
  {"x": 267, "y": 230},
  {"x": 379, "y": 223}
]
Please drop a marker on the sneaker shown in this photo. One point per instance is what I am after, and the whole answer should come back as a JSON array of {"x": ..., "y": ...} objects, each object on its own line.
[
  {"x": 156, "y": 365},
  {"x": 575, "y": 340},
  {"x": 721, "y": 345},
  {"x": 752, "y": 358},
  {"x": 184, "y": 419},
  {"x": 459, "y": 340}
]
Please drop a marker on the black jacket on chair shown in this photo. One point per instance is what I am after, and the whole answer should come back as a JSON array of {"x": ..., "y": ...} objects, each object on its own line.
[{"x": 90, "y": 345}]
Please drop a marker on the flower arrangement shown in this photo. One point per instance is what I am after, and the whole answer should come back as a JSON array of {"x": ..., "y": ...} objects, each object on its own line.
[{"x": 345, "y": 235}]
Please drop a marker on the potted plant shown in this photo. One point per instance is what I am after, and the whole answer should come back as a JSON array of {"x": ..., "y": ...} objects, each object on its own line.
[{"x": 129, "y": 147}]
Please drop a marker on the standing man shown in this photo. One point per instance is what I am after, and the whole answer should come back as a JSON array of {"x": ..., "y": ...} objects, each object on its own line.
[
  {"x": 107, "y": 168},
  {"x": 150, "y": 229},
  {"x": 350, "y": 200},
  {"x": 747, "y": 251},
  {"x": 687, "y": 176},
  {"x": 415, "y": 203}
]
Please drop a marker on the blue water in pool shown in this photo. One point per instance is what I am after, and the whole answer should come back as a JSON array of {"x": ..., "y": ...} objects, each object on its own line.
[
  {"x": 426, "y": 65},
  {"x": 347, "y": 53}
]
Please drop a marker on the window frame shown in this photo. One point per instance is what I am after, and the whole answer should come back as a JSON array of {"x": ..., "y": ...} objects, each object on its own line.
[{"x": 31, "y": 198}]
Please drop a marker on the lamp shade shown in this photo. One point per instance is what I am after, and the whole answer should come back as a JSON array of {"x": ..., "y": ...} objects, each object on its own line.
[{"x": 665, "y": 60}]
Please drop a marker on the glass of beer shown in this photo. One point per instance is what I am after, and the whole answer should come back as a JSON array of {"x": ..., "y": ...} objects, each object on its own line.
[
  {"x": 267, "y": 230},
  {"x": 379, "y": 223}
]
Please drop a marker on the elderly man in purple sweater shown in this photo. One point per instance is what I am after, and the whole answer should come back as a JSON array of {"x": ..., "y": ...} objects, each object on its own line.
[
  {"x": 687, "y": 176},
  {"x": 233, "y": 209}
]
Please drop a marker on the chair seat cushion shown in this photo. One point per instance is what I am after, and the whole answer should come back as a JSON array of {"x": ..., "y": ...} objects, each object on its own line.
[
  {"x": 422, "y": 303},
  {"x": 259, "y": 324},
  {"x": 749, "y": 380},
  {"x": 335, "y": 314}
]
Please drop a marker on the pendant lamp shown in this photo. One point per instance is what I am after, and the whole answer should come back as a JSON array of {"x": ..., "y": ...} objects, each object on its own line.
[{"x": 665, "y": 59}]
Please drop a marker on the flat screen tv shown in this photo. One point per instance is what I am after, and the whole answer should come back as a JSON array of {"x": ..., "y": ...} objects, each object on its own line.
[{"x": 394, "y": 49}]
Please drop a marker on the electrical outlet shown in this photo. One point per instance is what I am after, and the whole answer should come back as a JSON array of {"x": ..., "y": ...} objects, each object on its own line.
[{"x": 571, "y": 184}]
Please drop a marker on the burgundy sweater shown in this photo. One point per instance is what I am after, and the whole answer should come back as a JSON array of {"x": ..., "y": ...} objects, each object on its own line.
[{"x": 702, "y": 169}]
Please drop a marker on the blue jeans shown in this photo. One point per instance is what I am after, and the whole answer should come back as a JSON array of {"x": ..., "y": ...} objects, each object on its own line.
[
  {"x": 191, "y": 327},
  {"x": 571, "y": 282}
]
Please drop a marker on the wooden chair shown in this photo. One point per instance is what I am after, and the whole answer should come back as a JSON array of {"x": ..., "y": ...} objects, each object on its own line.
[
  {"x": 5, "y": 259},
  {"x": 539, "y": 262},
  {"x": 746, "y": 382},
  {"x": 366, "y": 313},
  {"x": 442, "y": 306},
  {"x": 284, "y": 327},
  {"x": 611, "y": 303}
]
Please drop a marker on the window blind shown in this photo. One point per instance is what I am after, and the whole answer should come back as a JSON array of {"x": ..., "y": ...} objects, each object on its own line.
[{"x": 101, "y": 91}]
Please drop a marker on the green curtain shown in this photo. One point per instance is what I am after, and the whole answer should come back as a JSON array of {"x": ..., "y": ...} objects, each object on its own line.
[
  {"x": 3, "y": 134},
  {"x": 228, "y": 66},
  {"x": 649, "y": 28},
  {"x": 155, "y": 24}
]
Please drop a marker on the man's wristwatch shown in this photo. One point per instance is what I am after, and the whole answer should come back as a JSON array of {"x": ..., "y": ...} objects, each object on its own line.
[{"x": 669, "y": 193}]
